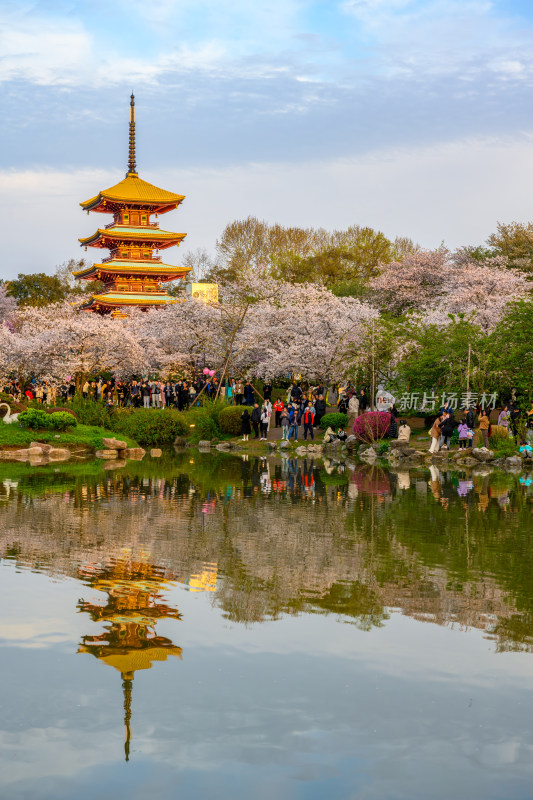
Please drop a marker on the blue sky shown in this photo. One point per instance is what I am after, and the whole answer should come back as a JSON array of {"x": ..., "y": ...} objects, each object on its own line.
[{"x": 412, "y": 116}]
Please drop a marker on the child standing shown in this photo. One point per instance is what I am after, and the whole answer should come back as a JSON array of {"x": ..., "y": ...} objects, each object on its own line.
[{"x": 464, "y": 435}]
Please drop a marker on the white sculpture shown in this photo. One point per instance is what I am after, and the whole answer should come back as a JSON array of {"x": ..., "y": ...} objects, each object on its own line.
[
  {"x": 9, "y": 417},
  {"x": 384, "y": 399}
]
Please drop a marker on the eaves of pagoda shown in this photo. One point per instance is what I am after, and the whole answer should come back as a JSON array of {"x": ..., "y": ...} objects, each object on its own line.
[
  {"x": 163, "y": 272},
  {"x": 147, "y": 235}
]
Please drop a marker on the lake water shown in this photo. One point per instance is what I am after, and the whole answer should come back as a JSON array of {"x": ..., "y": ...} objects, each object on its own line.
[{"x": 212, "y": 626}]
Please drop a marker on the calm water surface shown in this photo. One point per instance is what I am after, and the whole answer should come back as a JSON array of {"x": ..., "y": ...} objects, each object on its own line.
[{"x": 210, "y": 625}]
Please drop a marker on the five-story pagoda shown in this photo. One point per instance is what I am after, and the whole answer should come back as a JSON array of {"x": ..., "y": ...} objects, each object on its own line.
[{"x": 133, "y": 273}]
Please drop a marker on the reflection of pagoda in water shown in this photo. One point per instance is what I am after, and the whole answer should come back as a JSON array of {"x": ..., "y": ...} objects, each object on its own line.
[{"x": 129, "y": 641}]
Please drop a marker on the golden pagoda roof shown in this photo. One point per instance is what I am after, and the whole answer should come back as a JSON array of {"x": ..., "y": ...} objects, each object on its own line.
[
  {"x": 136, "y": 191},
  {"x": 142, "y": 234},
  {"x": 132, "y": 267},
  {"x": 130, "y": 661}
]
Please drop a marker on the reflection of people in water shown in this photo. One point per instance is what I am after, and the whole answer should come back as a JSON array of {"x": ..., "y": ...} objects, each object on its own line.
[
  {"x": 404, "y": 481},
  {"x": 435, "y": 482}
]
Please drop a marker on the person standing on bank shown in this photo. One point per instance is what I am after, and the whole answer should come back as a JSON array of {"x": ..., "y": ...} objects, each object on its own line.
[
  {"x": 484, "y": 427},
  {"x": 308, "y": 419},
  {"x": 435, "y": 435},
  {"x": 320, "y": 409},
  {"x": 363, "y": 402},
  {"x": 285, "y": 422},
  {"x": 293, "y": 427},
  {"x": 265, "y": 420},
  {"x": 246, "y": 428},
  {"x": 278, "y": 408},
  {"x": 256, "y": 419},
  {"x": 248, "y": 394},
  {"x": 239, "y": 392},
  {"x": 353, "y": 410}
]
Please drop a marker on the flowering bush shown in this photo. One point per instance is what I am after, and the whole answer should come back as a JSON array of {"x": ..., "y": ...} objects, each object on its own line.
[{"x": 372, "y": 426}]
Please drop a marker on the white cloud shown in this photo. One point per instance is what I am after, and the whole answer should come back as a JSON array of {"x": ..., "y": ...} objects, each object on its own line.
[{"x": 36, "y": 50}]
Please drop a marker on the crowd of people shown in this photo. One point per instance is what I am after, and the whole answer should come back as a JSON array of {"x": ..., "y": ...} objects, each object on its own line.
[{"x": 296, "y": 410}]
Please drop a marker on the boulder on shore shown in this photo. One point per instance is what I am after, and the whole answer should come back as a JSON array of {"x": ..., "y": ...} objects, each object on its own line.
[
  {"x": 114, "y": 444},
  {"x": 44, "y": 447},
  {"x": 155, "y": 452},
  {"x": 58, "y": 454},
  {"x": 513, "y": 462},
  {"x": 482, "y": 454}
]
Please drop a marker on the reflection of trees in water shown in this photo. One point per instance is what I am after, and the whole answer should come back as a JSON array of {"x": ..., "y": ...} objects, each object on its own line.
[{"x": 292, "y": 535}]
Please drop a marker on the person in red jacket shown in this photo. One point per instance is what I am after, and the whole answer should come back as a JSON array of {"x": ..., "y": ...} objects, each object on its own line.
[
  {"x": 278, "y": 408},
  {"x": 308, "y": 419}
]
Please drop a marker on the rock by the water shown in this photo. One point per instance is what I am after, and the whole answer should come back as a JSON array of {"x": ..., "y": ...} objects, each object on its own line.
[
  {"x": 59, "y": 454},
  {"x": 114, "y": 444},
  {"x": 204, "y": 444},
  {"x": 44, "y": 447},
  {"x": 284, "y": 444},
  {"x": 180, "y": 441},
  {"x": 369, "y": 455},
  {"x": 512, "y": 462},
  {"x": 155, "y": 452},
  {"x": 482, "y": 454}
]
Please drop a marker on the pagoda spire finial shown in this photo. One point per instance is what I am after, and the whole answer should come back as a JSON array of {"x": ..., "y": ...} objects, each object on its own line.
[
  {"x": 127, "y": 681},
  {"x": 132, "y": 167}
]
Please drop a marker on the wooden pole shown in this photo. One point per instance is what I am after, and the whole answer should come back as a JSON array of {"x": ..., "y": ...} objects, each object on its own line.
[
  {"x": 373, "y": 371},
  {"x": 468, "y": 372}
]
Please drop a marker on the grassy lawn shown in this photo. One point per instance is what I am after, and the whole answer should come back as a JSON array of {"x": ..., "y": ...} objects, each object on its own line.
[{"x": 89, "y": 435}]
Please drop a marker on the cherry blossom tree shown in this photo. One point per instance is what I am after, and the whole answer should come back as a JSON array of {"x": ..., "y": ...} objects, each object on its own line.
[
  {"x": 8, "y": 305},
  {"x": 434, "y": 284},
  {"x": 57, "y": 340},
  {"x": 305, "y": 329}
]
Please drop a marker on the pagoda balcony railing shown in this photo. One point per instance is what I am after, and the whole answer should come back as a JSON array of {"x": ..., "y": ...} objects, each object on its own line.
[
  {"x": 120, "y": 225},
  {"x": 155, "y": 259}
]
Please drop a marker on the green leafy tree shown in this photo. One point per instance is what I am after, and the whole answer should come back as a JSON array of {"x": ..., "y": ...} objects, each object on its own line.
[
  {"x": 433, "y": 358},
  {"x": 515, "y": 241},
  {"x": 37, "y": 289},
  {"x": 511, "y": 350}
]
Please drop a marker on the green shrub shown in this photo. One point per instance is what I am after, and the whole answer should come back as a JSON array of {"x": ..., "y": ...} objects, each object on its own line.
[
  {"x": 36, "y": 418},
  {"x": 33, "y": 418},
  {"x": 504, "y": 448},
  {"x": 90, "y": 412},
  {"x": 151, "y": 426},
  {"x": 499, "y": 434},
  {"x": 334, "y": 420},
  {"x": 229, "y": 419},
  {"x": 382, "y": 448},
  {"x": 61, "y": 420},
  {"x": 200, "y": 423},
  {"x": 55, "y": 409}
]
